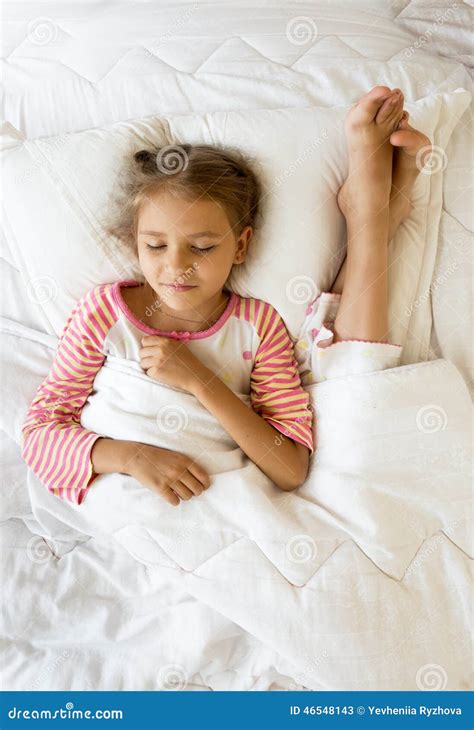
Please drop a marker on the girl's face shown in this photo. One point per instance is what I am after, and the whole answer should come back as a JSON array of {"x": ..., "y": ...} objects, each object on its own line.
[{"x": 188, "y": 244}]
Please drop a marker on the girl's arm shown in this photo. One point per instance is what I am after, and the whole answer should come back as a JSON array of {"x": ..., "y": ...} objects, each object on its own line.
[
  {"x": 283, "y": 460},
  {"x": 56, "y": 447},
  {"x": 276, "y": 433}
]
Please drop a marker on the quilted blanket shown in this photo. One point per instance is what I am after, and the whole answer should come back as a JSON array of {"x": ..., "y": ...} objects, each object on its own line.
[{"x": 342, "y": 577}]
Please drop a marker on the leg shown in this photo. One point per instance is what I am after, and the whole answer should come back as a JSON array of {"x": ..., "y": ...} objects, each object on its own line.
[
  {"x": 363, "y": 310},
  {"x": 397, "y": 214},
  {"x": 364, "y": 199},
  {"x": 407, "y": 144}
]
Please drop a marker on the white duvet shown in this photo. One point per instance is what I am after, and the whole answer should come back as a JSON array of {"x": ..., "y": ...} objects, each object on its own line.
[{"x": 345, "y": 570}]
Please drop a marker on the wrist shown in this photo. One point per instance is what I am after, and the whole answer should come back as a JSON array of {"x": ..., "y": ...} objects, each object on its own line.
[
  {"x": 112, "y": 455},
  {"x": 129, "y": 451}
]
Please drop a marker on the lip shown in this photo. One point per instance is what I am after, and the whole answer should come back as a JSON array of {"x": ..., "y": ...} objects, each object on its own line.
[{"x": 179, "y": 287}]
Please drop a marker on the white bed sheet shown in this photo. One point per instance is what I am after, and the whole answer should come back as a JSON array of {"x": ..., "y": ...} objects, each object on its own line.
[{"x": 94, "y": 64}]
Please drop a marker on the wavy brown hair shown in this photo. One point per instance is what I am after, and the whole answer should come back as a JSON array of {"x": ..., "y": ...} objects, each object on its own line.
[{"x": 222, "y": 174}]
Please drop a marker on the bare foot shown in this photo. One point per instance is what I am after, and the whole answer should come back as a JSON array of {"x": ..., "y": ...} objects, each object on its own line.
[
  {"x": 411, "y": 149},
  {"x": 369, "y": 125}
]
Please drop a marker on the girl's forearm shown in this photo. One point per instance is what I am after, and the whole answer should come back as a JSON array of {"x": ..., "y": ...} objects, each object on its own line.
[
  {"x": 109, "y": 456},
  {"x": 279, "y": 457}
]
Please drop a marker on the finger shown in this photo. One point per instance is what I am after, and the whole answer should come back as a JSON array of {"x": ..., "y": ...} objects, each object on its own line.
[
  {"x": 150, "y": 350},
  {"x": 165, "y": 492},
  {"x": 182, "y": 490},
  {"x": 148, "y": 362},
  {"x": 148, "y": 340},
  {"x": 170, "y": 496},
  {"x": 200, "y": 473},
  {"x": 154, "y": 373},
  {"x": 192, "y": 483}
]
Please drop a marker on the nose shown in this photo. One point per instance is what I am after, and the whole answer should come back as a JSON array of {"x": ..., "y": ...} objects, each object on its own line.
[{"x": 176, "y": 263}]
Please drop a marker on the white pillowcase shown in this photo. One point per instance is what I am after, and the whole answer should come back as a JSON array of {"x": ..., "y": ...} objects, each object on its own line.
[{"x": 57, "y": 201}]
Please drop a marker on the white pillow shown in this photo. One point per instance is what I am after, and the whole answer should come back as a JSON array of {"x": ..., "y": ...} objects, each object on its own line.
[{"x": 58, "y": 194}]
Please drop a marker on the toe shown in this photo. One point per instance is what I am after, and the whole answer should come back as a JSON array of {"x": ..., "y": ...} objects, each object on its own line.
[
  {"x": 410, "y": 140},
  {"x": 369, "y": 105},
  {"x": 395, "y": 119},
  {"x": 402, "y": 138},
  {"x": 403, "y": 123},
  {"x": 389, "y": 110}
]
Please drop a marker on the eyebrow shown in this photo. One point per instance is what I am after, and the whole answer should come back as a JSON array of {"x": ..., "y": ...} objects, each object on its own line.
[{"x": 208, "y": 234}]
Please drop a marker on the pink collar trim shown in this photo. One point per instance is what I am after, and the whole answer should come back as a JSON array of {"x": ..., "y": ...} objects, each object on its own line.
[{"x": 117, "y": 295}]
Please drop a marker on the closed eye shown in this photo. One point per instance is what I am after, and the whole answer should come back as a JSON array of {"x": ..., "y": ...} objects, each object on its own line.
[{"x": 195, "y": 248}]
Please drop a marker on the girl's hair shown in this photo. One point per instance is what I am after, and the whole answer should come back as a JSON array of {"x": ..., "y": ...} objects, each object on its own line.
[{"x": 224, "y": 175}]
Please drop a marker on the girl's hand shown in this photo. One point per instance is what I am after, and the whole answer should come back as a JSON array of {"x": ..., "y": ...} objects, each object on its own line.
[
  {"x": 171, "y": 362},
  {"x": 170, "y": 474}
]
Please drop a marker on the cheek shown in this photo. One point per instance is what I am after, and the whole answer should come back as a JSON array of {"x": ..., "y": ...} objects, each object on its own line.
[
  {"x": 208, "y": 269},
  {"x": 217, "y": 264},
  {"x": 146, "y": 261}
]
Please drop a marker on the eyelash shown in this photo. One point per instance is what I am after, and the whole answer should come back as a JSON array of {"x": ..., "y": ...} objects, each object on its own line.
[{"x": 201, "y": 250}]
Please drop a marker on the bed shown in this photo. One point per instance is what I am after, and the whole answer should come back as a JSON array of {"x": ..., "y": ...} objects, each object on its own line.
[{"x": 79, "y": 611}]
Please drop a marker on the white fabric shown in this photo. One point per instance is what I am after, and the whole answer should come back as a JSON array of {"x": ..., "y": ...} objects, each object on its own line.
[
  {"x": 320, "y": 358},
  {"x": 451, "y": 296},
  {"x": 195, "y": 57},
  {"x": 439, "y": 27},
  {"x": 302, "y": 162},
  {"x": 391, "y": 471},
  {"x": 96, "y": 64},
  {"x": 102, "y": 621}
]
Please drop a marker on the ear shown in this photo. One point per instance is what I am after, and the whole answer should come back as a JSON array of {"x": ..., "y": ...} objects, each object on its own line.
[{"x": 242, "y": 244}]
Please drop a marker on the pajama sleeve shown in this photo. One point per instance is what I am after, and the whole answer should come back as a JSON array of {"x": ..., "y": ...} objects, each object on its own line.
[
  {"x": 275, "y": 386},
  {"x": 55, "y": 446}
]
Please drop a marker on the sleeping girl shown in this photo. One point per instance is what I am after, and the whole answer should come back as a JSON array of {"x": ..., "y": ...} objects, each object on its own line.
[{"x": 187, "y": 331}]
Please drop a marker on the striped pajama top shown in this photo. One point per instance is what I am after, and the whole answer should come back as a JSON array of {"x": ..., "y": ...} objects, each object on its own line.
[{"x": 249, "y": 348}]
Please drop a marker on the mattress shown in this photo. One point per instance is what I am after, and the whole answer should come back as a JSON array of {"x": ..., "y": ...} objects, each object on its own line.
[{"x": 72, "y": 66}]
